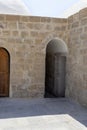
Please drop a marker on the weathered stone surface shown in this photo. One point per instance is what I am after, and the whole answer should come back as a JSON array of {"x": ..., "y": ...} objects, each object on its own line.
[
  {"x": 23, "y": 37},
  {"x": 24, "y": 18},
  {"x": 26, "y": 39},
  {"x": 34, "y": 19},
  {"x": 45, "y": 20},
  {"x": 12, "y": 18},
  {"x": 24, "y": 34},
  {"x": 76, "y": 77},
  {"x": 83, "y": 13},
  {"x": 70, "y": 19},
  {"x": 84, "y": 21},
  {"x": 59, "y": 20},
  {"x": 22, "y": 26},
  {"x": 2, "y": 17},
  {"x": 75, "y": 24},
  {"x": 15, "y": 33},
  {"x": 6, "y": 33},
  {"x": 12, "y": 25},
  {"x": 76, "y": 17}
]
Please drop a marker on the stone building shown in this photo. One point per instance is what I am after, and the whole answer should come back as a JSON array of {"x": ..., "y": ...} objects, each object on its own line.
[{"x": 41, "y": 55}]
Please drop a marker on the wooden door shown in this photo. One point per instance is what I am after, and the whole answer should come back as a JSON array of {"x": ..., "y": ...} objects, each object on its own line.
[{"x": 4, "y": 73}]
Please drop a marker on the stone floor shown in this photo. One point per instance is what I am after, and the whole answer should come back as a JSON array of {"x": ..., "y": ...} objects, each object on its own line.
[{"x": 42, "y": 114}]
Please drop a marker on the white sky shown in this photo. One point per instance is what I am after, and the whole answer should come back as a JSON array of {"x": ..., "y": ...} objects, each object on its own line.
[
  {"x": 50, "y": 8},
  {"x": 16, "y": 7},
  {"x": 75, "y": 8}
]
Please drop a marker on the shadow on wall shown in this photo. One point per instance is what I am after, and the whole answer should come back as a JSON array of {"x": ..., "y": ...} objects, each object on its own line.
[{"x": 56, "y": 52}]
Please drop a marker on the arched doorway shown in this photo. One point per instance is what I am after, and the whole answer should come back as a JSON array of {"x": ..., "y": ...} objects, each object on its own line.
[
  {"x": 55, "y": 68},
  {"x": 4, "y": 72}
]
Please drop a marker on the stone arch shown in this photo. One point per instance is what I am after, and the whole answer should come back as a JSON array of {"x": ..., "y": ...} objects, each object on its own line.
[
  {"x": 4, "y": 72},
  {"x": 57, "y": 45},
  {"x": 51, "y": 37},
  {"x": 56, "y": 52}
]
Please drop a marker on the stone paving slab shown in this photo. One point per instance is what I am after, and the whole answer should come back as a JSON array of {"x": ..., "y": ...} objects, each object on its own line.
[{"x": 42, "y": 114}]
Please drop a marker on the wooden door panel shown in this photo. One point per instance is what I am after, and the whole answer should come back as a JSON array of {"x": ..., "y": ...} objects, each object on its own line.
[
  {"x": 3, "y": 84},
  {"x": 3, "y": 61},
  {"x": 4, "y": 73}
]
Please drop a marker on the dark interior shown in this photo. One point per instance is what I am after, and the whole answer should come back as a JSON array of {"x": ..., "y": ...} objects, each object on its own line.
[{"x": 55, "y": 74}]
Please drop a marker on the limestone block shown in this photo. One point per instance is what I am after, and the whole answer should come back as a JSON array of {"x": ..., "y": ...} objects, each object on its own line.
[
  {"x": 45, "y": 20},
  {"x": 3, "y": 25},
  {"x": 83, "y": 13},
  {"x": 12, "y": 18},
  {"x": 22, "y": 26},
  {"x": 24, "y": 34},
  {"x": 34, "y": 33},
  {"x": 34, "y": 19},
  {"x": 85, "y": 29},
  {"x": 2, "y": 17},
  {"x": 76, "y": 17},
  {"x": 84, "y": 21},
  {"x": 6, "y": 33},
  {"x": 75, "y": 24},
  {"x": 16, "y": 33},
  {"x": 12, "y": 25},
  {"x": 70, "y": 19},
  {"x": 24, "y": 18}
]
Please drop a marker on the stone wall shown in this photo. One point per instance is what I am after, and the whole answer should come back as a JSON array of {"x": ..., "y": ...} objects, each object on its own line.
[
  {"x": 76, "y": 77},
  {"x": 26, "y": 38}
]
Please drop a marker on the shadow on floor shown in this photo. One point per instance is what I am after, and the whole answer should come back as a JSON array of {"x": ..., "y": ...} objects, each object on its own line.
[{"x": 16, "y": 108}]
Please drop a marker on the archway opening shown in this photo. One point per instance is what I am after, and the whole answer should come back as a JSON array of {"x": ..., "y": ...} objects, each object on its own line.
[
  {"x": 56, "y": 52},
  {"x": 4, "y": 72}
]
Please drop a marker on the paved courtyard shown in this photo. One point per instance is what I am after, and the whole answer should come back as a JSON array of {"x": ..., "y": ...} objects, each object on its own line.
[{"x": 42, "y": 114}]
